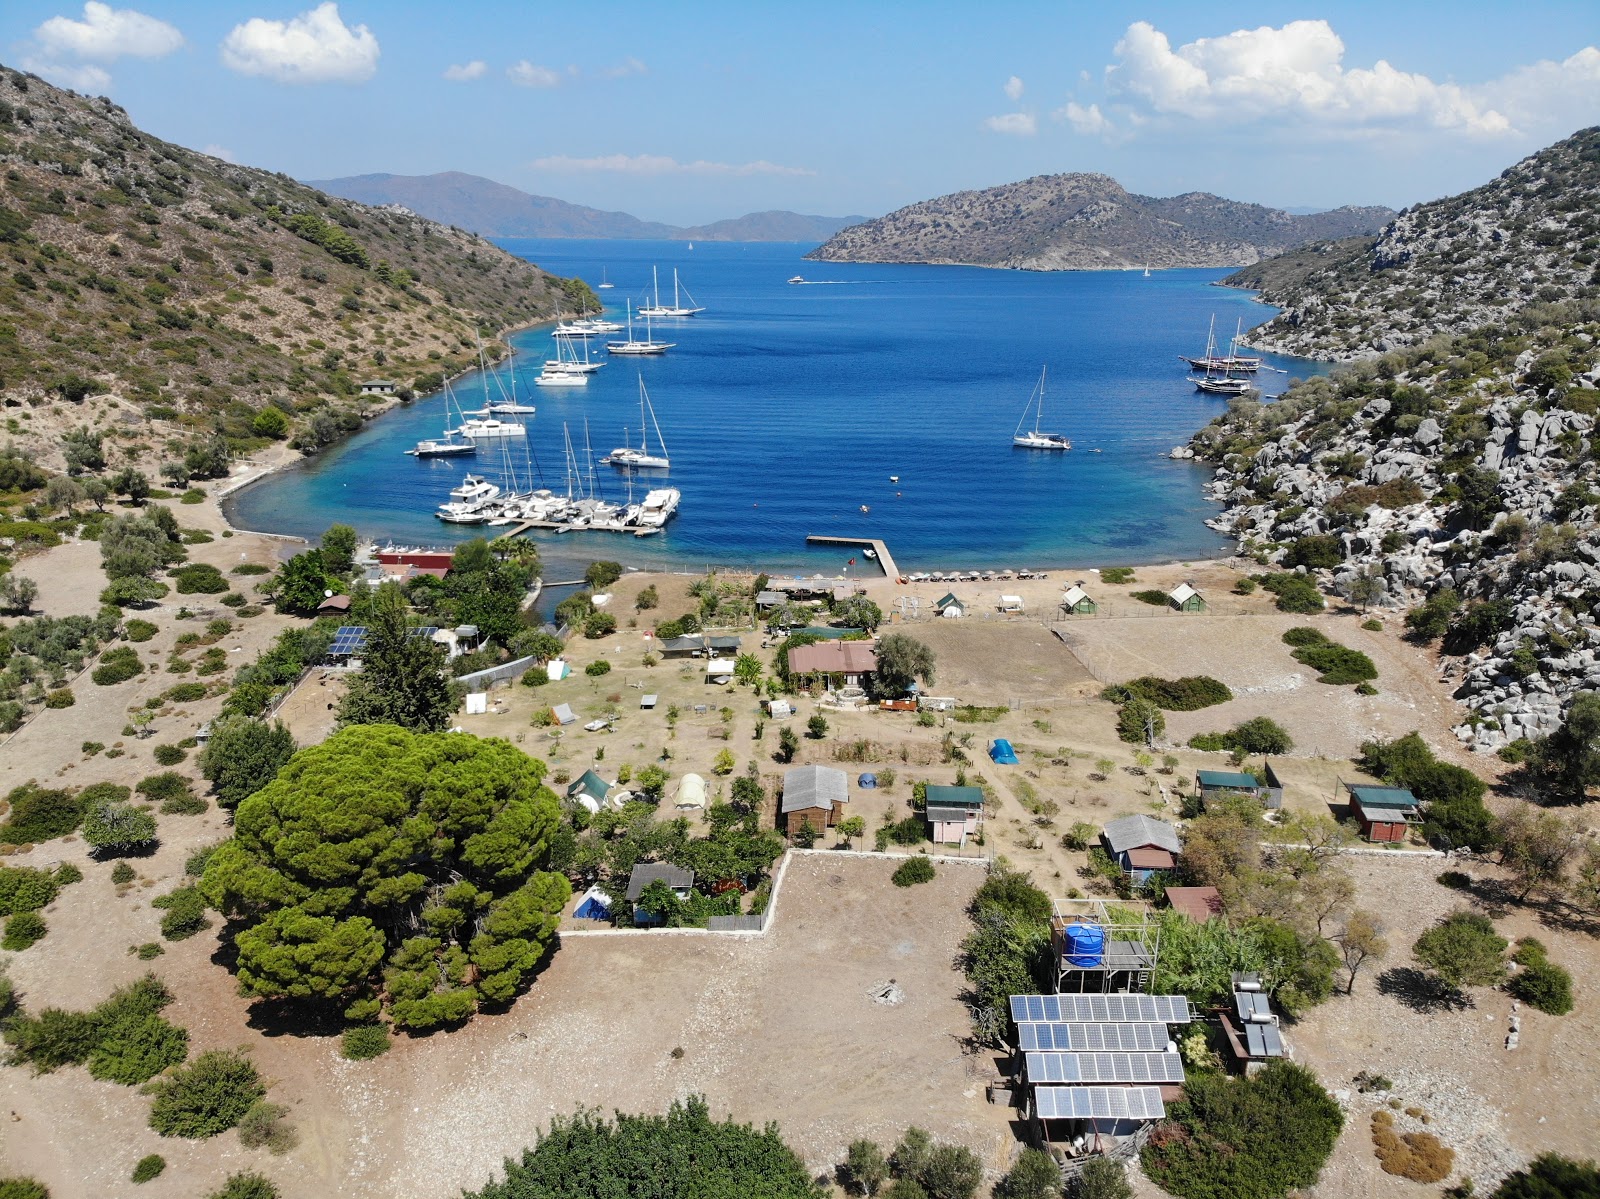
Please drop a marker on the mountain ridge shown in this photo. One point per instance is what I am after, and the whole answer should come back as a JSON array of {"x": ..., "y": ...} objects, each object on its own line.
[
  {"x": 1086, "y": 221},
  {"x": 494, "y": 209}
]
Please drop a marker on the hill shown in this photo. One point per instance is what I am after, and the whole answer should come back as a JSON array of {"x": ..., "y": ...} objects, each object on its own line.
[
  {"x": 1530, "y": 236},
  {"x": 1087, "y": 222},
  {"x": 497, "y": 210},
  {"x": 198, "y": 291}
]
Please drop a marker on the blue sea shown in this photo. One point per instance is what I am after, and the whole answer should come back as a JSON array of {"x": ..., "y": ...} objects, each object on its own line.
[{"x": 787, "y": 408}]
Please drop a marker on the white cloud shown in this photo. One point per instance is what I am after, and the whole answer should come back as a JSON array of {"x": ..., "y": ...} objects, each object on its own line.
[
  {"x": 1294, "y": 71},
  {"x": 221, "y": 152},
  {"x": 314, "y": 47},
  {"x": 657, "y": 164},
  {"x": 84, "y": 77},
  {"x": 106, "y": 34},
  {"x": 1563, "y": 95},
  {"x": 1019, "y": 124},
  {"x": 463, "y": 72},
  {"x": 628, "y": 66},
  {"x": 1014, "y": 89},
  {"x": 527, "y": 74},
  {"x": 1087, "y": 120}
]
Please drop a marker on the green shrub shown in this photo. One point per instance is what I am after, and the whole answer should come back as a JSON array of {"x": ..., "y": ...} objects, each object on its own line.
[
  {"x": 1372, "y": 626},
  {"x": 912, "y": 871},
  {"x": 595, "y": 669},
  {"x": 185, "y": 913},
  {"x": 1117, "y": 574},
  {"x": 1322, "y": 551},
  {"x": 25, "y": 889},
  {"x": 364, "y": 1043},
  {"x": 117, "y": 665},
  {"x": 198, "y": 578},
  {"x": 250, "y": 568},
  {"x": 19, "y": 1187},
  {"x": 1296, "y": 593},
  {"x": 117, "y": 829},
  {"x": 148, "y": 952},
  {"x": 136, "y": 1047},
  {"x": 208, "y": 1096},
  {"x": 1210, "y": 742},
  {"x": 39, "y": 814},
  {"x": 1542, "y": 985},
  {"x": 123, "y": 873},
  {"x": 61, "y": 697},
  {"x": 163, "y": 787},
  {"x": 913, "y": 830},
  {"x": 975, "y": 714},
  {"x": 169, "y": 755},
  {"x": 1455, "y": 879},
  {"x": 1138, "y": 719},
  {"x": 185, "y": 693},
  {"x": 1464, "y": 950},
  {"x": 1156, "y": 599},
  {"x": 1188, "y": 694},
  {"x": 246, "y": 1185},
  {"x": 139, "y": 630},
  {"x": 1338, "y": 665},
  {"x": 149, "y": 1166},
  {"x": 22, "y": 930},
  {"x": 263, "y": 1126},
  {"x": 68, "y": 873},
  {"x": 599, "y": 624}
]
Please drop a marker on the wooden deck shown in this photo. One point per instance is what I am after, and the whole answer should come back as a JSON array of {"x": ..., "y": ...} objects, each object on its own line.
[{"x": 885, "y": 559}]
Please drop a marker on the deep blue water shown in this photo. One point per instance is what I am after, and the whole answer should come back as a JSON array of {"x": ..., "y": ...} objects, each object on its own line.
[{"x": 786, "y": 409}]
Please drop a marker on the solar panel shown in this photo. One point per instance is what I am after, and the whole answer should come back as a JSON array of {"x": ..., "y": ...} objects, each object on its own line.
[
  {"x": 349, "y": 639},
  {"x": 1094, "y": 1038},
  {"x": 1100, "y": 1009},
  {"x": 1098, "y": 1103},
  {"x": 1104, "y": 1067},
  {"x": 427, "y": 630},
  {"x": 1263, "y": 1040}
]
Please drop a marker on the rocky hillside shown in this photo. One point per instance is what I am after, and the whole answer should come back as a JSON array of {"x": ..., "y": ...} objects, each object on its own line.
[
  {"x": 1087, "y": 222},
  {"x": 197, "y": 291},
  {"x": 498, "y": 210},
  {"x": 1462, "y": 472},
  {"x": 1530, "y": 236}
]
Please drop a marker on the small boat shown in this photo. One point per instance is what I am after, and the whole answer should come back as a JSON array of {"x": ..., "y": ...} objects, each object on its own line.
[
  {"x": 641, "y": 459},
  {"x": 437, "y": 447},
  {"x": 561, "y": 378},
  {"x": 675, "y": 308},
  {"x": 1146, "y": 272},
  {"x": 865, "y": 509},
  {"x": 1033, "y": 439},
  {"x": 798, "y": 279},
  {"x": 1220, "y": 385},
  {"x": 869, "y": 553},
  {"x": 489, "y": 429},
  {"x": 637, "y": 348},
  {"x": 507, "y": 408},
  {"x": 894, "y": 478},
  {"x": 605, "y": 284}
]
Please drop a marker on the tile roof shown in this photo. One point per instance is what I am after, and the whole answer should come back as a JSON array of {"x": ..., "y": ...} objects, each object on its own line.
[{"x": 834, "y": 657}]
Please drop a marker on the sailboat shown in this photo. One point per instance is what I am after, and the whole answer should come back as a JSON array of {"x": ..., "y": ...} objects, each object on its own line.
[
  {"x": 446, "y": 446},
  {"x": 605, "y": 283},
  {"x": 1146, "y": 272},
  {"x": 641, "y": 458},
  {"x": 1217, "y": 380},
  {"x": 631, "y": 346},
  {"x": 1033, "y": 439},
  {"x": 1231, "y": 364},
  {"x": 675, "y": 308}
]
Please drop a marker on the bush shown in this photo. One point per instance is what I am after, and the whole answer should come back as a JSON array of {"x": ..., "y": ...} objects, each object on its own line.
[
  {"x": 246, "y": 1185},
  {"x": 139, "y": 630},
  {"x": 24, "y": 889},
  {"x": 123, "y": 873},
  {"x": 1372, "y": 626},
  {"x": 62, "y": 697},
  {"x": 1542, "y": 985},
  {"x": 1322, "y": 551},
  {"x": 1139, "y": 719},
  {"x": 135, "y": 1047},
  {"x": 599, "y": 624},
  {"x": 38, "y": 814},
  {"x": 364, "y": 1043},
  {"x": 1188, "y": 694},
  {"x": 1418, "y": 1156},
  {"x": 595, "y": 669},
  {"x": 1156, "y": 599},
  {"x": 185, "y": 913},
  {"x": 1456, "y": 880},
  {"x": 208, "y": 1096},
  {"x": 167, "y": 788},
  {"x": 149, "y": 1166},
  {"x": 1337, "y": 665},
  {"x": 170, "y": 755},
  {"x": 1257, "y": 1137},
  {"x": 22, "y": 930},
  {"x": 198, "y": 578},
  {"x": 18, "y": 1187},
  {"x": 909, "y": 873},
  {"x": 1552, "y": 1176},
  {"x": 1296, "y": 593},
  {"x": 1117, "y": 574},
  {"x": 1464, "y": 950},
  {"x": 185, "y": 693},
  {"x": 602, "y": 574},
  {"x": 1259, "y": 735},
  {"x": 913, "y": 830},
  {"x": 117, "y": 665},
  {"x": 118, "y": 829},
  {"x": 264, "y": 1126}
]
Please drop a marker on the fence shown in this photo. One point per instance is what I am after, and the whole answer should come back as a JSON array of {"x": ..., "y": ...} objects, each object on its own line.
[{"x": 504, "y": 672}]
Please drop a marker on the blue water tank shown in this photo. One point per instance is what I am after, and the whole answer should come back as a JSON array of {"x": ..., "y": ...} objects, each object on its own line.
[{"x": 1086, "y": 945}]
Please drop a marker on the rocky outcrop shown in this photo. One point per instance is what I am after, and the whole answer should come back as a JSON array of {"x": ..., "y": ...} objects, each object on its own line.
[
  {"x": 1087, "y": 222},
  {"x": 1439, "y": 470},
  {"x": 1529, "y": 237}
]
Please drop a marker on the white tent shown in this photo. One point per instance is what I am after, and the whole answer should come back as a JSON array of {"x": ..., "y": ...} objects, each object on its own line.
[
  {"x": 1011, "y": 603},
  {"x": 555, "y": 670},
  {"x": 691, "y": 792},
  {"x": 477, "y": 703}
]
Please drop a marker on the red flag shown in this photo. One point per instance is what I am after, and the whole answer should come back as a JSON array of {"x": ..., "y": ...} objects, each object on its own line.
[{"x": 852, "y": 562}]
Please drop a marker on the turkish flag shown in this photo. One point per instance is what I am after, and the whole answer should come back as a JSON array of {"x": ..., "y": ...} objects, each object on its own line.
[{"x": 852, "y": 562}]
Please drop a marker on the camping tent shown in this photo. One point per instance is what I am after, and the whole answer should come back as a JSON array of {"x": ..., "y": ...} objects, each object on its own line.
[
  {"x": 1002, "y": 753},
  {"x": 595, "y": 905},
  {"x": 563, "y": 714},
  {"x": 691, "y": 792},
  {"x": 555, "y": 670}
]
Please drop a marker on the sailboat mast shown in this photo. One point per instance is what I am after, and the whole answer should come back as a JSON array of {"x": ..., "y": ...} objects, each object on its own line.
[
  {"x": 655, "y": 280},
  {"x": 675, "y": 301}
]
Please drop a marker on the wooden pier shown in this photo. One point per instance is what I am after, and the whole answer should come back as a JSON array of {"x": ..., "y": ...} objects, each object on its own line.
[{"x": 885, "y": 559}]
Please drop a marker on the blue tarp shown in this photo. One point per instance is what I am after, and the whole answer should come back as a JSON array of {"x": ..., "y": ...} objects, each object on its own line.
[
  {"x": 1002, "y": 753},
  {"x": 868, "y": 781}
]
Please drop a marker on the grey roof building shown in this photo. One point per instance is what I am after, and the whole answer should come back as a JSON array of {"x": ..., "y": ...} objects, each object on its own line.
[
  {"x": 807, "y": 787},
  {"x": 646, "y": 873},
  {"x": 1130, "y": 832}
]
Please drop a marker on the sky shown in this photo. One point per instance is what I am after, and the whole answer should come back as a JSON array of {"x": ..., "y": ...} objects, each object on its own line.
[{"x": 689, "y": 112}]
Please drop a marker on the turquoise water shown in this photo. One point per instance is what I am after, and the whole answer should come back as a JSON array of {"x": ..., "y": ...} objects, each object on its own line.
[{"x": 786, "y": 409}]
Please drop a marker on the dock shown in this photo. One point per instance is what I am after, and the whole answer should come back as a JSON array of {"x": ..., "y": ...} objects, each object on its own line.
[
  {"x": 553, "y": 526},
  {"x": 885, "y": 559}
]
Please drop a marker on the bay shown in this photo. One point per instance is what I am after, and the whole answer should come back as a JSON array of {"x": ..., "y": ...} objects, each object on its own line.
[{"x": 787, "y": 408}]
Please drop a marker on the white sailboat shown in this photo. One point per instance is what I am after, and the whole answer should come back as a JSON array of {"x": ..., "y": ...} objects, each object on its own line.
[
  {"x": 605, "y": 284},
  {"x": 1033, "y": 439},
  {"x": 635, "y": 347},
  {"x": 445, "y": 446},
  {"x": 676, "y": 308},
  {"x": 641, "y": 459}
]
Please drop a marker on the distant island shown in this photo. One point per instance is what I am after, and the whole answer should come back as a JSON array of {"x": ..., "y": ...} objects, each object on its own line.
[
  {"x": 1078, "y": 222},
  {"x": 493, "y": 209}
]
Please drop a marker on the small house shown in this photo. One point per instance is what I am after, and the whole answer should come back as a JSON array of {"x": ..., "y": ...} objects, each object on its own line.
[
  {"x": 814, "y": 795},
  {"x": 1385, "y": 813},
  {"x": 1185, "y": 598},
  {"x": 1075, "y": 601},
  {"x": 648, "y": 701},
  {"x": 334, "y": 604},
  {"x": 949, "y": 607},
  {"x": 691, "y": 645},
  {"x": 589, "y": 790},
  {"x": 953, "y": 812},
  {"x": 719, "y": 671},
  {"x": 855, "y": 661},
  {"x": 1011, "y": 603},
  {"x": 771, "y": 599},
  {"x": 1197, "y": 903},
  {"x": 680, "y": 880},
  {"x": 723, "y": 647},
  {"x": 691, "y": 793},
  {"x": 379, "y": 387},
  {"x": 1142, "y": 845},
  {"x": 563, "y": 714},
  {"x": 1218, "y": 784}
]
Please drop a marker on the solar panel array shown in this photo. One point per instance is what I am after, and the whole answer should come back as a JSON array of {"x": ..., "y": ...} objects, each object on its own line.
[
  {"x": 1094, "y": 1038},
  {"x": 1098, "y": 1103},
  {"x": 1263, "y": 1040},
  {"x": 1104, "y": 1067},
  {"x": 1100, "y": 1009},
  {"x": 350, "y": 639}
]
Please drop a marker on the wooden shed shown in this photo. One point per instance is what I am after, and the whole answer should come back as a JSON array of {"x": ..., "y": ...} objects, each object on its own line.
[
  {"x": 1185, "y": 598},
  {"x": 813, "y": 795},
  {"x": 1076, "y": 602},
  {"x": 1385, "y": 813}
]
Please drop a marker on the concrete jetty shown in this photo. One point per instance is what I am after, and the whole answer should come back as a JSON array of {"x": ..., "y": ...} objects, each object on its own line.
[{"x": 885, "y": 559}]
